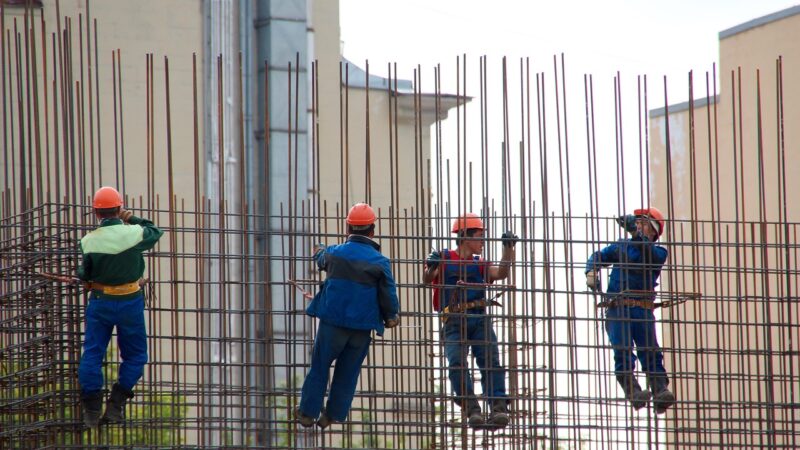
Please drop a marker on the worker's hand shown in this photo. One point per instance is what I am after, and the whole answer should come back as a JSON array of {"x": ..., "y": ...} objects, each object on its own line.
[
  {"x": 391, "y": 323},
  {"x": 593, "y": 280},
  {"x": 318, "y": 248},
  {"x": 125, "y": 215},
  {"x": 433, "y": 260},
  {"x": 509, "y": 239},
  {"x": 628, "y": 223}
]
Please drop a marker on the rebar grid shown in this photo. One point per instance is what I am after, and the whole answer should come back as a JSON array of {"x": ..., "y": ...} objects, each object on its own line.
[{"x": 229, "y": 342}]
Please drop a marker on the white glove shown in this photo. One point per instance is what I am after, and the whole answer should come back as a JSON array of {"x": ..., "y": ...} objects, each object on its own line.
[{"x": 593, "y": 280}]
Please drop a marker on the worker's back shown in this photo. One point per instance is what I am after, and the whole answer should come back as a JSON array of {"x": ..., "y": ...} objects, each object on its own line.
[{"x": 359, "y": 290}]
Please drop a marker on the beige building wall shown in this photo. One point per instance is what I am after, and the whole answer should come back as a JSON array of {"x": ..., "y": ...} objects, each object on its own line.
[
  {"x": 730, "y": 366},
  {"x": 130, "y": 30}
]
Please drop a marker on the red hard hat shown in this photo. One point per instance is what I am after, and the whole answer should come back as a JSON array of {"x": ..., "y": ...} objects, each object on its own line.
[
  {"x": 107, "y": 197},
  {"x": 654, "y": 214},
  {"x": 468, "y": 221},
  {"x": 361, "y": 214}
]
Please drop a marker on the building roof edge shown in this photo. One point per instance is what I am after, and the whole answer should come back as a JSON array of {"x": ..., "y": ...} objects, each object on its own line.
[{"x": 763, "y": 20}]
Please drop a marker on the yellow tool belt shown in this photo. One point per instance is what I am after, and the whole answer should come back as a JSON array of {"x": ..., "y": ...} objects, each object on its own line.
[
  {"x": 119, "y": 289},
  {"x": 461, "y": 307},
  {"x": 646, "y": 304}
]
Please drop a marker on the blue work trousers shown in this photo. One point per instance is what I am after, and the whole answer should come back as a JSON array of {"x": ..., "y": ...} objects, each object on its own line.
[
  {"x": 348, "y": 347},
  {"x": 474, "y": 331},
  {"x": 102, "y": 315},
  {"x": 629, "y": 325}
]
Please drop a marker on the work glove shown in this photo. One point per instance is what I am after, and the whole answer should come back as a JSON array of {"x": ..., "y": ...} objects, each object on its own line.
[
  {"x": 509, "y": 239},
  {"x": 433, "y": 260},
  {"x": 318, "y": 248},
  {"x": 593, "y": 280},
  {"x": 391, "y": 323},
  {"x": 628, "y": 223}
]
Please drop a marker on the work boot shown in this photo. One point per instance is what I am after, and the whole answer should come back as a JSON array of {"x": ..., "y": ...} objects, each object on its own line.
[
  {"x": 324, "y": 420},
  {"x": 92, "y": 407},
  {"x": 499, "y": 416},
  {"x": 474, "y": 414},
  {"x": 663, "y": 398},
  {"x": 633, "y": 391},
  {"x": 304, "y": 420},
  {"x": 115, "y": 406}
]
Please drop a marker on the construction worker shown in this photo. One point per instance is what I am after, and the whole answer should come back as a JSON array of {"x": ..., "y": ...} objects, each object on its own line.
[
  {"x": 112, "y": 266},
  {"x": 358, "y": 296},
  {"x": 629, "y": 299},
  {"x": 466, "y": 321}
]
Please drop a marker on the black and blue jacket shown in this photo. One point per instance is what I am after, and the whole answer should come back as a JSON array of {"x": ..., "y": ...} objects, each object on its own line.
[
  {"x": 637, "y": 265},
  {"x": 359, "y": 291}
]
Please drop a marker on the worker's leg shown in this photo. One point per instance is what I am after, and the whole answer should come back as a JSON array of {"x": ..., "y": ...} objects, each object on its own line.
[
  {"x": 651, "y": 358},
  {"x": 99, "y": 325},
  {"x": 132, "y": 341},
  {"x": 618, "y": 328},
  {"x": 485, "y": 348},
  {"x": 456, "y": 349},
  {"x": 327, "y": 346},
  {"x": 487, "y": 354},
  {"x": 345, "y": 374},
  {"x": 643, "y": 331}
]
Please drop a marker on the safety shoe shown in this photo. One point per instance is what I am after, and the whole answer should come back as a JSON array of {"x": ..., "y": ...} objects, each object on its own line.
[
  {"x": 115, "y": 406},
  {"x": 304, "y": 420},
  {"x": 663, "y": 401},
  {"x": 474, "y": 413},
  {"x": 499, "y": 416},
  {"x": 633, "y": 391},
  {"x": 92, "y": 408},
  {"x": 325, "y": 420}
]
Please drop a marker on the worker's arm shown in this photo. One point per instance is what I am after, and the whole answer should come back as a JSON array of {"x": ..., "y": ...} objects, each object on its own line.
[
  {"x": 432, "y": 267},
  {"x": 641, "y": 250},
  {"x": 387, "y": 298},
  {"x": 603, "y": 258},
  {"x": 150, "y": 233},
  {"x": 319, "y": 257},
  {"x": 85, "y": 268},
  {"x": 500, "y": 271}
]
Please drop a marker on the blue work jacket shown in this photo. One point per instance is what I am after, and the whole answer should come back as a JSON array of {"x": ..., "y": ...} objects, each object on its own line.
[
  {"x": 637, "y": 264},
  {"x": 359, "y": 291}
]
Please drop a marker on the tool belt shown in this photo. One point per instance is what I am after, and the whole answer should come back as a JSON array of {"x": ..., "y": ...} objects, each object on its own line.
[
  {"x": 461, "y": 307},
  {"x": 646, "y": 304},
  {"x": 119, "y": 289}
]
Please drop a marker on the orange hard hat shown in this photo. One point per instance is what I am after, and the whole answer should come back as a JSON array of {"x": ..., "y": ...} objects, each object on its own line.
[
  {"x": 107, "y": 197},
  {"x": 361, "y": 214},
  {"x": 652, "y": 213},
  {"x": 468, "y": 221}
]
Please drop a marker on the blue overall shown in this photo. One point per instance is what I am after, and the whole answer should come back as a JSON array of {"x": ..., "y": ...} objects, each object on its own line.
[
  {"x": 471, "y": 329},
  {"x": 102, "y": 315},
  {"x": 637, "y": 264},
  {"x": 358, "y": 296}
]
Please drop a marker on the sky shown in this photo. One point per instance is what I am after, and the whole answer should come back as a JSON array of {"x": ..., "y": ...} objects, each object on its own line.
[{"x": 634, "y": 37}]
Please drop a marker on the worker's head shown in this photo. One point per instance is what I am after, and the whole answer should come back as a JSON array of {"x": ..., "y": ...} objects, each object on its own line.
[
  {"x": 107, "y": 203},
  {"x": 650, "y": 222},
  {"x": 469, "y": 231},
  {"x": 361, "y": 220}
]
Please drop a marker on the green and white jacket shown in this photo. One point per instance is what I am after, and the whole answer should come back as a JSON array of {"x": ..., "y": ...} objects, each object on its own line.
[{"x": 112, "y": 253}]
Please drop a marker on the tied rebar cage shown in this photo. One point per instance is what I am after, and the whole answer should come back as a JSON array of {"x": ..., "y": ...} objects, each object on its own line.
[{"x": 229, "y": 343}]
